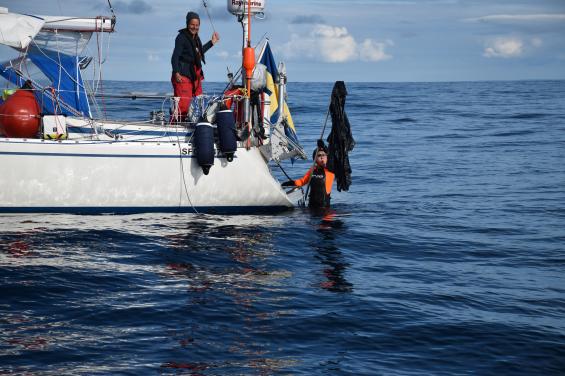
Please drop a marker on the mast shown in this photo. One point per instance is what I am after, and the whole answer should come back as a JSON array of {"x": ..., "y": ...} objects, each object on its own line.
[
  {"x": 248, "y": 64},
  {"x": 244, "y": 9}
]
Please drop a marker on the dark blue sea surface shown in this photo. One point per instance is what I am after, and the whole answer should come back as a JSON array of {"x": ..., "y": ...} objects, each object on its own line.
[{"x": 446, "y": 257}]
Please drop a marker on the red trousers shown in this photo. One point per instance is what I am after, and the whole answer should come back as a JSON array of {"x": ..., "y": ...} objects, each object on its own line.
[{"x": 186, "y": 89}]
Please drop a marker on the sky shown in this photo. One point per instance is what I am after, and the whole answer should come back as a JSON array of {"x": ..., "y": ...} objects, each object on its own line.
[{"x": 329, "y": 40}]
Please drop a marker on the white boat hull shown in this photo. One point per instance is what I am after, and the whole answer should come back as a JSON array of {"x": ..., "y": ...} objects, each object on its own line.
[{"x": 96, "y": 176}]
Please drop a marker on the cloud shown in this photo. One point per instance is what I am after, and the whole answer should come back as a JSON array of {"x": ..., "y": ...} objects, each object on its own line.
[
  {"x": 511, "y": 46},
  {"x": 224, "y": 55},
  {"x": 547, "y": 23},
  {"x": 310, "y": 19},
  {"x": 515, "y": 18},
  {"x": 227, "y": 55},
  {"x": 333, "y": 44},
  {"x": 153, "y": 57},
  {"x": 132, "y": 7},
  {"x": 504, "y": 47},
  {"x": 390, "y": 2},
  {"x": 370, "y": 50},
  {"x": 536, "y": 42}
]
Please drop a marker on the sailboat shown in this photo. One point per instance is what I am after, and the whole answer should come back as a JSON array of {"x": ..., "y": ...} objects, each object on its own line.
[{"x": 56, "y": 156}]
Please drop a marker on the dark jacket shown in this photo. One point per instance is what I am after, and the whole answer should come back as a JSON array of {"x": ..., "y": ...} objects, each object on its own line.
[{"x": 188, "y": 53}]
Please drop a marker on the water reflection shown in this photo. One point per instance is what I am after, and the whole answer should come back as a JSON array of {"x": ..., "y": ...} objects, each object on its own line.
[
  {"x": 208, "y": 292},
  {"x": 17, "y": 248},
  {"x": 20, "y": 333},
  {"x": 18, "y": 242},
  {"x": 231, "y": 286},
  {"x": 330, "y": 226}
]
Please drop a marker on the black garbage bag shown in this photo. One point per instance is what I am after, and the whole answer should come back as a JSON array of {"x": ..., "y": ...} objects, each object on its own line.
[{"x": 340, "y": 140}]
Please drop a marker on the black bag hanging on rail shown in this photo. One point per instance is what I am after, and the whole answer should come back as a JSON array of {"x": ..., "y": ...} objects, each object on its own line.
[{"x": 340, "y": 140}]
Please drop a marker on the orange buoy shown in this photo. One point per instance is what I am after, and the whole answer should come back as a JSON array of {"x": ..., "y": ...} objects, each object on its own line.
[
  {"x": 249, "y": 61},
  {"x": 19, "y": 115}
]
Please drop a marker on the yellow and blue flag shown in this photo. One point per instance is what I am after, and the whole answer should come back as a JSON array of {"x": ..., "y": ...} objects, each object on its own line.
[{"x": 272, "y": 90}]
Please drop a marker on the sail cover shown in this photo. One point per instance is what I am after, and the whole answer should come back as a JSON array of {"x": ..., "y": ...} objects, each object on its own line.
[
  {"x": 55, "y": 52},
  {"x": 64, "y": 91},
  {"x": 18, "y": 30},
  {"x": 64, "y": 73}
]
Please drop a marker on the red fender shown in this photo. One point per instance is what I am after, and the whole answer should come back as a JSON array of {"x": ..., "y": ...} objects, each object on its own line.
[{"x": 19, "y": 115}]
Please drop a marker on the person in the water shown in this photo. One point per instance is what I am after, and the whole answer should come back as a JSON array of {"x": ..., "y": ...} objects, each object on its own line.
[{"x": 320, "y": 178}]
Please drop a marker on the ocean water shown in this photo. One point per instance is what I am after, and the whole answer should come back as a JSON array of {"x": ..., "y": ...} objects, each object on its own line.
[{"x": 446, "y": 257}]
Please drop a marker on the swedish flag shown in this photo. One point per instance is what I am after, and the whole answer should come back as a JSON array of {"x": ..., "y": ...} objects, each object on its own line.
[{"x": 272, "y": 90}]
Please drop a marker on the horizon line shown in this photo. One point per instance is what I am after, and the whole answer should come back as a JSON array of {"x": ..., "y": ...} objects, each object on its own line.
[{"x": 373, "y": 82}]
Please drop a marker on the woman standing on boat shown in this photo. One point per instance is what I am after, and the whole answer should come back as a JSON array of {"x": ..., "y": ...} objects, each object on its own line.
[{"x": 187, "y": 60}]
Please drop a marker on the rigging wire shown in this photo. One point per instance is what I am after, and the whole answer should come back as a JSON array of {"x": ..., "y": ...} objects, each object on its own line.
[
  {"x": 321, "y": 138},
  {"x": 61, "y": 70},
  {"x": 60, "y": 8},
  {"x": 100, "y": 80},
  {"x": 183, "y": 174},
  {"x": 98, "y": 84},
  {"x": 289, "y": 178},
  {"x": 181, "y": 161},
  {"x": 237, "y": 74},
  {"x": 112, "y": 10},
  {"x": 204, "y": 2}
]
